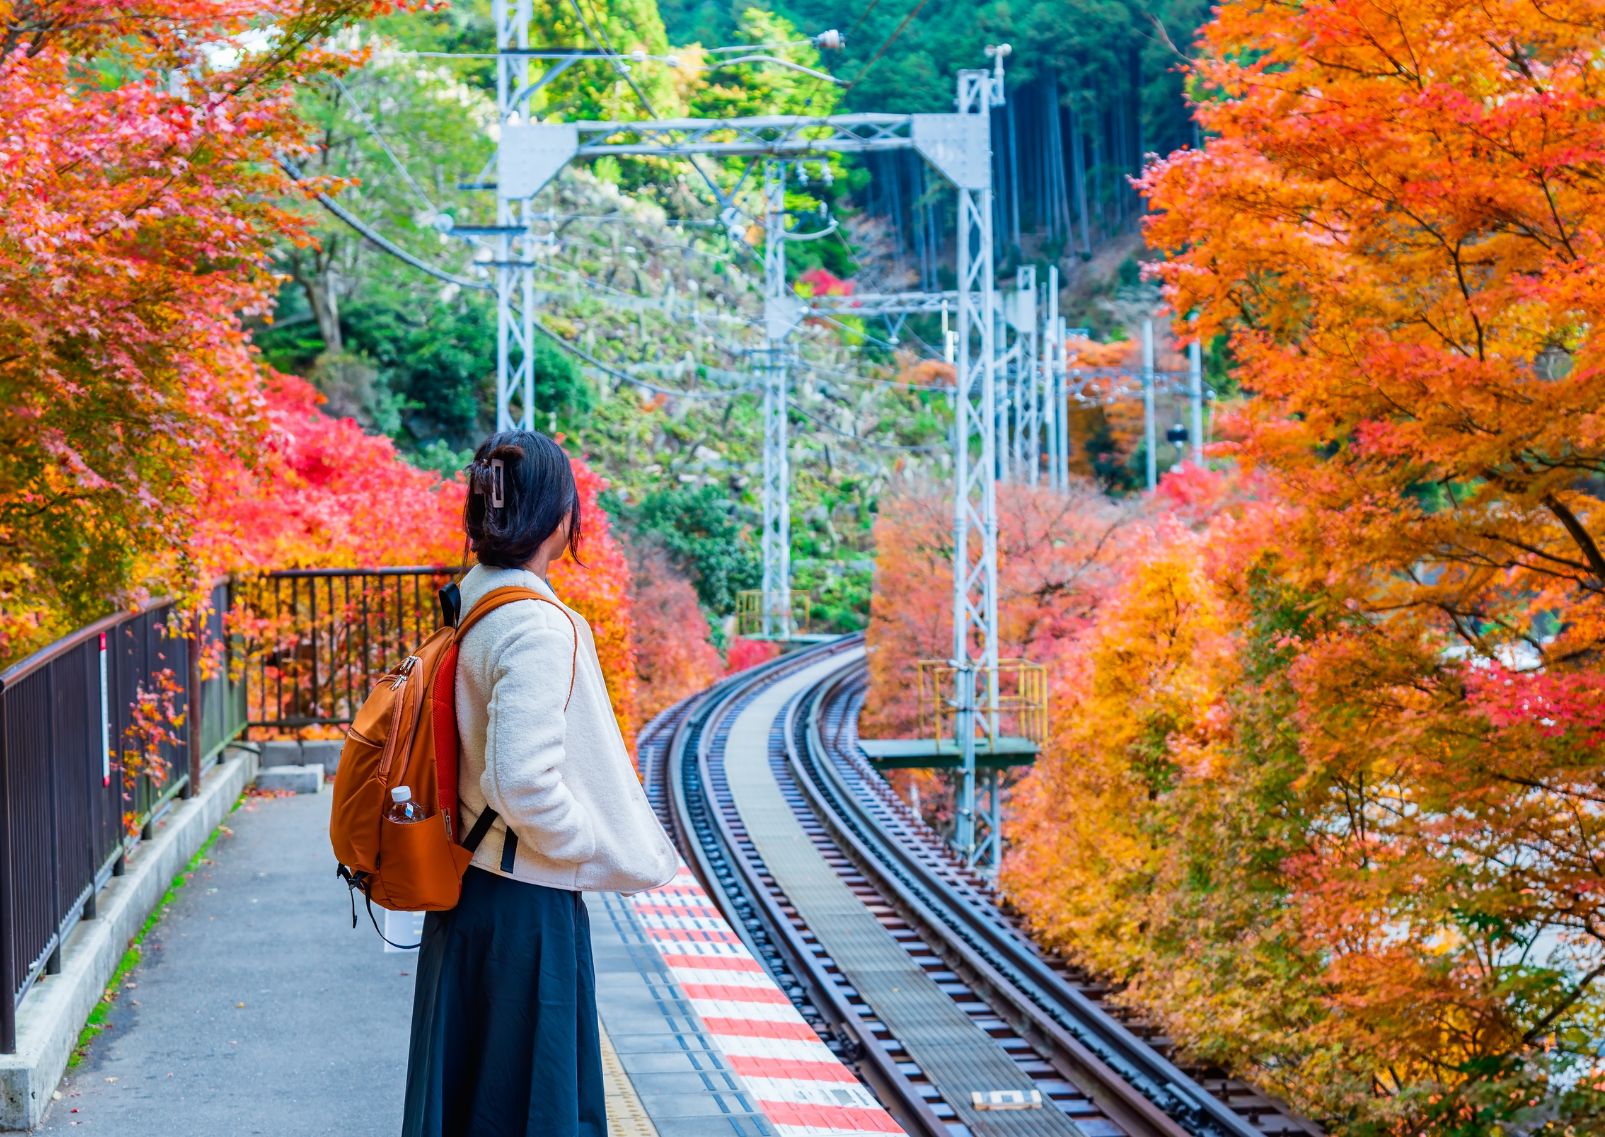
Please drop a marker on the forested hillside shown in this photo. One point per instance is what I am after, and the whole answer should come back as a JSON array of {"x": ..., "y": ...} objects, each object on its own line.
[
  {"x": 1094, "y": 85},
  {"x": 638, "y": 280},
  {"x": 640, "y": 276}
]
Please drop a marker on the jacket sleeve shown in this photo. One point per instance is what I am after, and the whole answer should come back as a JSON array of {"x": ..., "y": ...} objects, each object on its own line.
[{"x": 525, "y": 746}]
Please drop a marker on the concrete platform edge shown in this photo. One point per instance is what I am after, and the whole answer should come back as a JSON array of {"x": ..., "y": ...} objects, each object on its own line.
[{"x": 54, "y": 1013}]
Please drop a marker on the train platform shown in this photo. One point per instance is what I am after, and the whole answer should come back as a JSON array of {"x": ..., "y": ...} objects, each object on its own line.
[{"x": 256, "y": 1009}]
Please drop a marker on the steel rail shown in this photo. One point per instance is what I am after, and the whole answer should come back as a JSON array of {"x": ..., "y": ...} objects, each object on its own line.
[
  {"x": 688, "y": 810},
  {"x": 1137, "y": 1079},
  {"x": 743, "y": 896},
  {"x": 1112, "y": 1091}
]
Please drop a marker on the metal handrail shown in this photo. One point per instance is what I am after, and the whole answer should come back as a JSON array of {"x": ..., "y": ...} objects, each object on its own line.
[{"x": 64, "y": 717}]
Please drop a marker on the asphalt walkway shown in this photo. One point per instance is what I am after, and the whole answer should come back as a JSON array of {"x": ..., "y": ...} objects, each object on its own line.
[{"x": 255, "y": 1009}]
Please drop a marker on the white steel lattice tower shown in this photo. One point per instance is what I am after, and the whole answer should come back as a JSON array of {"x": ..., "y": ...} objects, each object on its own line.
[
  {"x": 975, "y": 532},
  {"x": 1055, "y": 412},
  {"x": 1021, "y": 314},
  {"x": 958, "y": 146},
  {"x": 515, "y": 276},
  {"x": 779, "y": 311}
]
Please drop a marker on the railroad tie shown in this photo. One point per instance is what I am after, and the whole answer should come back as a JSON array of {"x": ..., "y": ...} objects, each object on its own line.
[{"x": 958, "y": 1056}]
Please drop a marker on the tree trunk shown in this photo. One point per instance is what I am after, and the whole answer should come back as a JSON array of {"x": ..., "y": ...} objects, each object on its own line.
[
  {"x": 317, "y": 281},
  {"x": 1078, "y": 171}
]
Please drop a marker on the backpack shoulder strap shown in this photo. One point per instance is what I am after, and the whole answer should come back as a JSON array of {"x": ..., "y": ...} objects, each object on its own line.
[{"x": 496, "y": 597}]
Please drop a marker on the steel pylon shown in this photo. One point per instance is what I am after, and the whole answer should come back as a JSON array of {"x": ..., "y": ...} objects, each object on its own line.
[
  {"x": 958, "y": 146},
  {"x": 975, "y": 458},
  {"x": 779, "y": 315},
  {"x": 513, "y": 263}
]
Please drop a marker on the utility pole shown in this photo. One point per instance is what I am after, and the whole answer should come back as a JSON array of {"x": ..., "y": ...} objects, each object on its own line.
[
  {"x": 1017, "y": 325},
  {"x": 515, "y": 275},
  {"x": 1195, "y": 394},
  {"x": 1150, "y": 442},
  {"x": 779, "y": 316},
  {"x": 1053, "y": 394},
  {"x": 958, "y": 146},
  {"x": 1020, "y": 312},
  {"x": 975, "y": 533}
]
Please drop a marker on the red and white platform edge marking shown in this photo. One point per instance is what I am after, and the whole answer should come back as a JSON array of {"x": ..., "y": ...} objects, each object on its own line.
[{"x": 786, "y": 1070}]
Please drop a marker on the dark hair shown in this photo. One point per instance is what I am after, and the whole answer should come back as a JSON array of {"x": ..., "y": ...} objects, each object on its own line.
[{"x": 537, "y": 490}]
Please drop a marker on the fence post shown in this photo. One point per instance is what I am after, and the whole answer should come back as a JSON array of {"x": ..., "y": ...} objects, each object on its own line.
[
  {"x": 195, "y": 703},
  {"x": 8, "y": 945}
]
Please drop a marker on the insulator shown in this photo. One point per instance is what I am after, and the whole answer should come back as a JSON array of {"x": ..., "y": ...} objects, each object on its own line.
[{"x": 831, "y": 40}]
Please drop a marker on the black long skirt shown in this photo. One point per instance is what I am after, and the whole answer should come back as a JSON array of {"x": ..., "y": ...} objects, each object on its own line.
[{"x": 504, "y": 1033}]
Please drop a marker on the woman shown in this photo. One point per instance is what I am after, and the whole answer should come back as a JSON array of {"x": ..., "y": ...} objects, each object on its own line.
[{"x": 504, "y": 1031}]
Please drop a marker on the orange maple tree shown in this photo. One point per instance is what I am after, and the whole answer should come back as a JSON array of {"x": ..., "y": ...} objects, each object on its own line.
[
  {"x": 145, "y": 448},
  {"x": 1360, "y": 854},
  {"x": 138, "y": 207},
  {"x": 1055, "y": 554}
]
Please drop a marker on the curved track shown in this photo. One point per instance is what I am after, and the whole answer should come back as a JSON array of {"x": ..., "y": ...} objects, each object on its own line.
[{"x": 899, "y": 956}]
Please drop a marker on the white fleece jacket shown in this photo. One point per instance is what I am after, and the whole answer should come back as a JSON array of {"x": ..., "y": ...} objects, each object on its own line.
[{"x": 563, "y": 782}]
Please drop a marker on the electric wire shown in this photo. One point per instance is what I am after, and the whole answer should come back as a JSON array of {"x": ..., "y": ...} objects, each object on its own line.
[
  {"x": 862, "y": 16},
  {"x": 373, "y": 130},
  {"x": 599, "y": 38},
  {"x": 678, "y": 392},
  {"x": 869, "y": 380},
  {"x": 462, "y": 282},
  {"x": 835, "y": 323},
  {"x": 384, "y": 244},
  {"x": 891, "y": 39},
  {"x": 638, "y": 302},
  {"x": 865, "y": 439}
]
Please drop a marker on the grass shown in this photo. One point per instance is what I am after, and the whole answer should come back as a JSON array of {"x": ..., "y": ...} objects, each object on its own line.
[{"x": 97, "y": 1017}]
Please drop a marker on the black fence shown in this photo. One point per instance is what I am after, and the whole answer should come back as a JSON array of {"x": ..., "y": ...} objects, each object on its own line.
[
  {"x": 287, "y": 652},
  {"x": 325, "y": 636},
  {"x": 68, "y": 717}
]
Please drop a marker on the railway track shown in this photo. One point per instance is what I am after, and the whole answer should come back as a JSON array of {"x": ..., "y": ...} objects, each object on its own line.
[{"x": 899, "y": 956}]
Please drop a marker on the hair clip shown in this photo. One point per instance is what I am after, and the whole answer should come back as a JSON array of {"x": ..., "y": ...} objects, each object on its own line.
[{"x": 498, "y": 474}]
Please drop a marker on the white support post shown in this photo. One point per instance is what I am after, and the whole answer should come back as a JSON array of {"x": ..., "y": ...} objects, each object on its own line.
[
  {"x": 1149, "y": 433},
  {"x": 1054, "y": 412},
  {"x": 1062, "y": 385},
  {"x": 515, "y": 277},
  {"x": 1195, "y": 394},
  {"x": 1026, "y": 399},
  {"x": 975, "y": 434},
  {"x": 776, "y": 537}
]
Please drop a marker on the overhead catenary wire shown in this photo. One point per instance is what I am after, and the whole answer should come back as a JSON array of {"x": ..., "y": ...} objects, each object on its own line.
[
  {"x": 384, "y": 244},
  {"x": 865, "y": 439},
  {"x": 837, "y": 374},
  {"x": 600, "y": 39},
  {"x": 868, "y": 11},
  {"x": 891, "y": 39},
  {"x": 373, "y": 130},
  {"x": 862, "y": 334}
]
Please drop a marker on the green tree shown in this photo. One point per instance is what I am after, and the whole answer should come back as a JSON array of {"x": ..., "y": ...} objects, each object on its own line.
[{"x": 705, "y": 537}]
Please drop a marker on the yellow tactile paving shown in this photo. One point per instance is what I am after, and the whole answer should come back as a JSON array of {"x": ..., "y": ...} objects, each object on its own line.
[{"x": 626, "y": 1116}]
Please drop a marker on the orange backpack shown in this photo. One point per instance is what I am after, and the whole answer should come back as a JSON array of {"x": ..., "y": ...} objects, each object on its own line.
[{"x": 405, "y": 734}]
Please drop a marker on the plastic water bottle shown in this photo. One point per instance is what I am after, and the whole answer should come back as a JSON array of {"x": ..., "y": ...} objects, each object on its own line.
[{"x": 403, "y": 810}]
